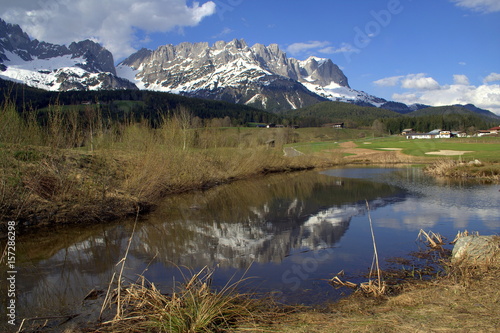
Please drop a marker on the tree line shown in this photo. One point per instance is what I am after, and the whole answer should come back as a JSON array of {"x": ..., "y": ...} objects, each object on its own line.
[
  {"x": 452, "y": 122},
  {"x": 142, "y": 104}
]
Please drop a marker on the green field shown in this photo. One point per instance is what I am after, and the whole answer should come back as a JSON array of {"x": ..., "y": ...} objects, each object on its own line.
[{"x": 484, "y": 149}]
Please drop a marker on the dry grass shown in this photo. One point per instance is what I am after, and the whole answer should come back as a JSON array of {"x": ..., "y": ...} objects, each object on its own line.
[
  {"x": 192, "y": 307},
  {"x": 80, "y": 167},
  {"x": 465, "y": 300},
  {"x": 432, "y": 239},
  {"x": 458, "y": 169}
]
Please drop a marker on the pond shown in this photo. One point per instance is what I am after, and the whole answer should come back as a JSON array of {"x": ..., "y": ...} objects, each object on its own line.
[{"x": 287, "y": 233}]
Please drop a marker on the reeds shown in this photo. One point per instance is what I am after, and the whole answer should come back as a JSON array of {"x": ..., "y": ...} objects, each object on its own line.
[
  {"x": 458, "y": 169},
  {"x": 375, "y": 285},
  {"x": 72, "y": 160},
  {"x": 432, "y": 239}
]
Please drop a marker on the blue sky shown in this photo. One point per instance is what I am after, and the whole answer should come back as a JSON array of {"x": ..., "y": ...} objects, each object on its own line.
[{"x": 429, "y": 51}]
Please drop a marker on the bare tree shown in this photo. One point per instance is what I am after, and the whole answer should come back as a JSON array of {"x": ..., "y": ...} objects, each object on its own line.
[{"x": 184, "y": 118}]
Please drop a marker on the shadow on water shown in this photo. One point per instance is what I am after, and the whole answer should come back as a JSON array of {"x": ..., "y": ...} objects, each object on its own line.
[{"x": 290, "y": 231}]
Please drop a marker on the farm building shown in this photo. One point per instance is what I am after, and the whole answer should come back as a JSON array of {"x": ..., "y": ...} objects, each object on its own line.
[
  {"x": 407, "y": 131},
  {"x": 334, "y": 125},
  {"x": 435, "y": 134}
]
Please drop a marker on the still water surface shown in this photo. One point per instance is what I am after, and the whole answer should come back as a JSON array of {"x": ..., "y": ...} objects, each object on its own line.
[{"x": 288, "y": 232}]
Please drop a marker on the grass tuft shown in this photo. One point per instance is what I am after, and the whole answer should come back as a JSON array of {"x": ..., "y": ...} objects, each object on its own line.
[{"x": 193, "y": 306}]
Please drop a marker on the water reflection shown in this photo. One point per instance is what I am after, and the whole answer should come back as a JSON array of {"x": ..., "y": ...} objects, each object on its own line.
[
  {"x": 257, "y": 221},
  {"x": 294, "y": 229}
]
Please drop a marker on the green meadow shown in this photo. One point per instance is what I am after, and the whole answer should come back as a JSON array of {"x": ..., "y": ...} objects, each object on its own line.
[{"x": 486, "y": 149}]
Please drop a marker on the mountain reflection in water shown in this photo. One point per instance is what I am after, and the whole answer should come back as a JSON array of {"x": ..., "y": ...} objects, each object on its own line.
[
  {"x": 290, "y": 231},
  {"x": 256, "y": 221}
]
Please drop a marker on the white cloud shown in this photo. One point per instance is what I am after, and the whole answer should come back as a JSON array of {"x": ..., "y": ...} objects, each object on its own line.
[
  {"x": 389, "y": 81},
  {"x": 111, "y": 22},
  {"x": 344, "y": 48},
  {"x": 315, "y": 46},
  {"x": 492, "y": 77},
  {"x": 297, "y": 48},
  {"x": 482, "y": 6},
  {"x": 486, "y": 96},
  {"x": 419, "y": 81},
  {"x": 461, "y": 79},
  {"x": 411, "y": 81}
]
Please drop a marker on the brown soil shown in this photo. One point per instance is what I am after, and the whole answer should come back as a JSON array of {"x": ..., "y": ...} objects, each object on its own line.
[{"x": 365, "y": 155}]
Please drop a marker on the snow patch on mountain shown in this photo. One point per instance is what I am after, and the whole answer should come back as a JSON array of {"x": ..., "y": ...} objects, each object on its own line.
[
  {"x": 41, "y": 73},
  {"x": 260, "y": 75},
  {"x": 335, "y": 92}
]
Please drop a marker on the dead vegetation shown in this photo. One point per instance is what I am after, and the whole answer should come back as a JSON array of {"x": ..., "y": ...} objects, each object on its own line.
[
  {"x": 82, "y": 167},
  {"x": 463, "y": 170},
  {"x": 462, "y": 298},
  {"x": 432, "y": 239}
]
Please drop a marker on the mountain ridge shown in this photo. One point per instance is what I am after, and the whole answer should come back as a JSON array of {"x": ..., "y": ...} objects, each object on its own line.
[
  {"x": 234, "y": 71},
  {"x": 83, "y": 65},
  {"x": 259, "y": 76}
]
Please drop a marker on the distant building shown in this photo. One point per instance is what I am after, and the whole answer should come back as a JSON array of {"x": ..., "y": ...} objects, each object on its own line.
[
  {"x": 407, "y": 131},
  {"x": 491, "y": 131},
  {"x": 334, "y": 125},
  {"x": 434, "y": 134},
  {"x": 494, "y": 130},
  {"x": 458, "y": 134},
  {"x": 484, "y": 132}
]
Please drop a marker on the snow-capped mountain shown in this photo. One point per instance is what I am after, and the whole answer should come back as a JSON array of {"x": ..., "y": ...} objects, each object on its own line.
[
  {"x": 82, "y": 66},
  {"x": 261, "y": 76}
]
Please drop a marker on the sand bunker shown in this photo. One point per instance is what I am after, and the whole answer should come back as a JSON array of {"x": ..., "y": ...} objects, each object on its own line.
[
  {"x": 448, "y": 152},
  {"x": 391, "y": 148}
]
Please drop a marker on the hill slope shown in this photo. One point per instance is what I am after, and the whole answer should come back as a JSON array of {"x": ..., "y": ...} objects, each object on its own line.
[
  {"x": 146, "y": 104},
  {"x": 327, "y": 112},
  {"x": 455, "y": 110}
]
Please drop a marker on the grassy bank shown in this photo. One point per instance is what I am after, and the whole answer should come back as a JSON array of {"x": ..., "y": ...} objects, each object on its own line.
[{"x": 78, "y": 167}]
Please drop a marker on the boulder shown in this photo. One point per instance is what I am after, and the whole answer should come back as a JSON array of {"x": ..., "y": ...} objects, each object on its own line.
[{"x": 476, "y": 249}]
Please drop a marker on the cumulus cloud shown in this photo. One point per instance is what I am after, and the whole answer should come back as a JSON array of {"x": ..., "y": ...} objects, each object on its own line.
[
  {"x": 419, "y": 86},
  {"x": 411, "y": 81},
  {"x": 461, "y": 79},
  {"x": 482, "y": 6},
  {"x": 111, "y": 22},
  {"x": 419, "y": 82},
  {"x": 492, "y": 77}
]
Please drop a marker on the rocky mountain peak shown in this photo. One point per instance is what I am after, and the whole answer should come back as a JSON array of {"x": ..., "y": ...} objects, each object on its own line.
[
  {"x": 81, "y": 66},
  {"x": 323, "y": 72},
  {"x": 98, "y": 59},
  {"x": 235, "y": 72}
]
